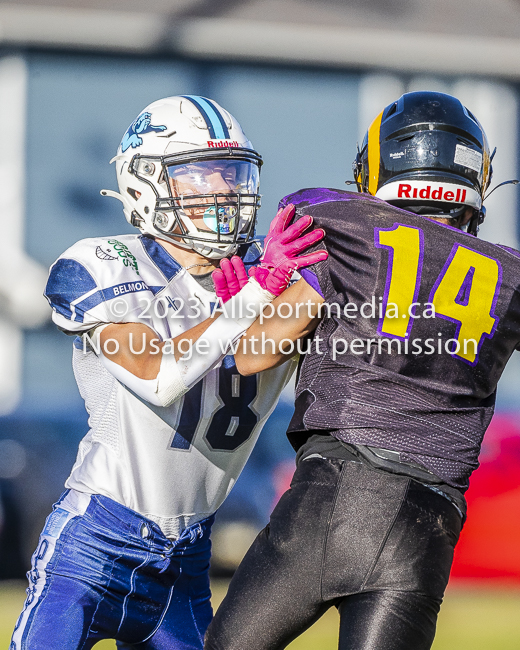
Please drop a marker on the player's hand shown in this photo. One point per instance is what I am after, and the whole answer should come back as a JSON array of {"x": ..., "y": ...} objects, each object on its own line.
[
  {"x": 229, "y": 278},
  {"x": 282, "y": 246}
]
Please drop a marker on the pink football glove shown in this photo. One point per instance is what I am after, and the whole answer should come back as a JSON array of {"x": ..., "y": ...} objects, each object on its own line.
[
  {"x": 279, "y": 260},
  {"x": 282, "y": 245},
  {"x": 230, "y": 278}
]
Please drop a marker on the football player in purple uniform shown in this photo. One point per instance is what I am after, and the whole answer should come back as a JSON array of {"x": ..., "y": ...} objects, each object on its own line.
[{"x": 394, "y": 395}]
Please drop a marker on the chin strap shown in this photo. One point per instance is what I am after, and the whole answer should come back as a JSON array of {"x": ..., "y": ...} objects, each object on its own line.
[
  {"x": 476, "y": 221},
  {"x": 479, "y": 216},
  {"x": 513, "y": 181}
]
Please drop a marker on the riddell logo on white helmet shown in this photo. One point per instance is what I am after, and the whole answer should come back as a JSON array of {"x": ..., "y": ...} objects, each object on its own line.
[
  {"x": 429, "y": 191},
  {"x": 217, "y": 144}
]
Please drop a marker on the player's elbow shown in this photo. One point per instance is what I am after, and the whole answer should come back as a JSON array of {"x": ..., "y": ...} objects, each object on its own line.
[{"x": 249, "y": 364}]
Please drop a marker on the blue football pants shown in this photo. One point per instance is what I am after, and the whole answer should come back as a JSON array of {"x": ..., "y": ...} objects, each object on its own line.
[{"x": 102, "y": 571}]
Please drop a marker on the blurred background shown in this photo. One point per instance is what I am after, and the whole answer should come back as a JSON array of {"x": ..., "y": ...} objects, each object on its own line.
[{"x": 305, "y": 78}]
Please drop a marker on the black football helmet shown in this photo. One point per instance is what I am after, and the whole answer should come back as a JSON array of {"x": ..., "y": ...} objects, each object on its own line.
[{"x": 426, "y": 153}]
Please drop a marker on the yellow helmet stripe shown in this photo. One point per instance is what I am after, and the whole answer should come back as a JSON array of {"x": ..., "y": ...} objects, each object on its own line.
[{"x": 374, "y": 154}]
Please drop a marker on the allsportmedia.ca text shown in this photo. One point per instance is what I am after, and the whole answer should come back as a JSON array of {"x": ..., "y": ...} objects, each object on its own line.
[{"x": 179, "y": 309}]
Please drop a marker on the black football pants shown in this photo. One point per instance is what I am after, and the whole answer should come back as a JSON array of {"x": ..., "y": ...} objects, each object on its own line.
[{"x": 376, "y": 545}]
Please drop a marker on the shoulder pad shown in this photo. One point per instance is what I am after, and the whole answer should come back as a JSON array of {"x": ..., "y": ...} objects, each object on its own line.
[
  {"x": 68, "y": 281},
  {"x": 513, "y": 251},
  {"x": 79, "y": 276},
  {"x": 315, "y": 195}
]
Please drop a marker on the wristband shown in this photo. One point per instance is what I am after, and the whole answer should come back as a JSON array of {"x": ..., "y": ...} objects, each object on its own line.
[{"x": 237, "y": 315}]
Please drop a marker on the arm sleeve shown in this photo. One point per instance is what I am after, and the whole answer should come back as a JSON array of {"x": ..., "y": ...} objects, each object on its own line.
[{"x": 175, "y": 378}]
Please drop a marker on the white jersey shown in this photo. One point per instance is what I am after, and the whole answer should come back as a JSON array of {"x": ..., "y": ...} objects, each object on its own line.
[{"x": 174, "y": 465}]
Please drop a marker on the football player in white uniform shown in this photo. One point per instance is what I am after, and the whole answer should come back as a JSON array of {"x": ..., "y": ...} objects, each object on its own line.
[{"x": 125, "y": 552}]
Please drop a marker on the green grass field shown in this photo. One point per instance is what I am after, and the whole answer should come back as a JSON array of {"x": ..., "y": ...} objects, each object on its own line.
[{"x": 471, "y": 619}]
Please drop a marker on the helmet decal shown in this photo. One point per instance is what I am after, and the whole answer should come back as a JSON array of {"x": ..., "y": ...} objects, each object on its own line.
[
  {"x": 487, "y": 170},
  {"x": 215, "y": 123},
  {"x": 143, "y": 124},
  {"x": 374, "y": 154},
  {"x": 430, "y": 191},
  {"x": 468, "y": 157}
]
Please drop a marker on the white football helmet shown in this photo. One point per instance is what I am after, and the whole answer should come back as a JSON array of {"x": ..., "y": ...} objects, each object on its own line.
[{"x": 183, "y": 158}]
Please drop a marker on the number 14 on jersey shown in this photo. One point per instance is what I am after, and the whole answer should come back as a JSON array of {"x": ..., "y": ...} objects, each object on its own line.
[{"x": 465, "y": 291}]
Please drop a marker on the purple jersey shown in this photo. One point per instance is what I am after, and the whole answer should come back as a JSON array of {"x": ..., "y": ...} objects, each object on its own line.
[{"x": 421, "y": 321}]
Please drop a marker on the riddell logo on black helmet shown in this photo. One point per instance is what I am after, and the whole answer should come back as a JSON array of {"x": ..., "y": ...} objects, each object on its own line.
[
  {"x": 415, "y": 191},
  {"x": 406, "y": 191}
]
